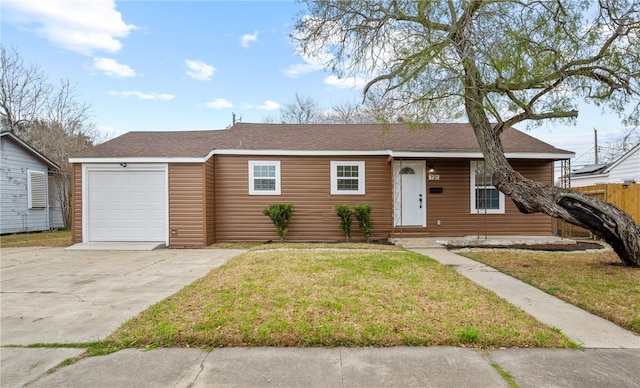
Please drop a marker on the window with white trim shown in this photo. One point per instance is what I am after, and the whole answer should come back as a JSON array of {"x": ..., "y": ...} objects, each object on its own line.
[
  {"x": 264, "y": 177},
  {"x": 347, "y": 178},
  {"x": 485, "y": 198},
  {"x": 37, "y": 189}
]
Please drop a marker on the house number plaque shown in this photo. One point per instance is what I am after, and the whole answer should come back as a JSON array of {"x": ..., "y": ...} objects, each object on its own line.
[{"x": 434, "y": 177}]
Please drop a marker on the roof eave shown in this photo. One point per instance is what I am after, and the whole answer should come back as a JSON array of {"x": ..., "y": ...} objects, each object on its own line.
[
  {"x": 258, "y": 152},
  {"x": 29, "y": 148},
  {"x": 589, "y": 176},
  {"x": 131, "y": 159},
  {"x": 479, "y": 155}
]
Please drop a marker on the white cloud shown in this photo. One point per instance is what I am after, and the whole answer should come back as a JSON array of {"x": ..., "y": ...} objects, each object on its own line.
[
  {"x": 112, "y": 68},
  {"x": 267, "y": 105},
  {"x": 248, "y": 38},
  {"x": 219, "y": 103},
  {"x": 80, "y": 26},
  {"x": 298, "y": 69},
  {"x": 199, "y": 70},
  {"x": 345, "y": 83},
  {"x": 143, "y": 96}
]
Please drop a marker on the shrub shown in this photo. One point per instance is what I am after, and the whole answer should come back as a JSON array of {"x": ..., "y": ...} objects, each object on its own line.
[
  {"x": 346, "y": 217},
  {"x": 280, "y": 215},
  {"x": 363, "y": 215}
]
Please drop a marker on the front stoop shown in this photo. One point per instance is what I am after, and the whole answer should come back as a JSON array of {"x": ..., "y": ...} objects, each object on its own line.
[
  {"x": 475, "y": 241},
  {"x": 415, "y": 242}
]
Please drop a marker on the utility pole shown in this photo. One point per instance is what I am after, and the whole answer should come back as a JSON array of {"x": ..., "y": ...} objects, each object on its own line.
[{"x": 595, "y": 134}]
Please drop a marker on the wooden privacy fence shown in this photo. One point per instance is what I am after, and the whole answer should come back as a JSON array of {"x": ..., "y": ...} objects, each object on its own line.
[{"x": 625, "y": 196}]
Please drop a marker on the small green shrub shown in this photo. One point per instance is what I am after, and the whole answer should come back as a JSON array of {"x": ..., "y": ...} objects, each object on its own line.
[
  {"x": 346, "y": 217},
  {"x": 363, "y": 215},
  {"x": 280, "y": 215}
]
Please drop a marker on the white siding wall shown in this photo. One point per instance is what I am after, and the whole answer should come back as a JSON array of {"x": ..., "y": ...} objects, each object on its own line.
[
  {"x": 15, "y": 215},
  {"x": 628, "y": 169},
  {"x": 588, "y": 180}
]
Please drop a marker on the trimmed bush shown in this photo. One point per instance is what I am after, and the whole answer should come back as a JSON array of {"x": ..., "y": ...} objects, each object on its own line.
[
  {"x": 346, "y": 217},
  {"x": 280, "y": 215},
  {"x": 363, "y": 215}
]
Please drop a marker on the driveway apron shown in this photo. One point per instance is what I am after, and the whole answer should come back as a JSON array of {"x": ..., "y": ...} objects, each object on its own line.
[{"x": 52, "y": 295}]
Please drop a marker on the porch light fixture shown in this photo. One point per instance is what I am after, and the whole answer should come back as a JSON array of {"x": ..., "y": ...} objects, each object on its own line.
[
  {"x": 123, "y": 165},
  {"x": 431, "y": 168}
]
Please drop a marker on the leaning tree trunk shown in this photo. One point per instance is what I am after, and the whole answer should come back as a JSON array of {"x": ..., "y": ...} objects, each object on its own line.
[{"x": 604, "y": 219}]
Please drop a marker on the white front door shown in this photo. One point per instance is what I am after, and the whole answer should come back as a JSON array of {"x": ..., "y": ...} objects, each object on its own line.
[{"x": 411, "y": 205}]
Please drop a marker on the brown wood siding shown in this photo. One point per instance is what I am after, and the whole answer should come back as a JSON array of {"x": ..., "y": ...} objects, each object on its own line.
[
  {"x": 305, "y": 182},
  {"x": 76, "y": 203},
  {"x": 186, "y": 205},
  {"x": 210, "y": 195},
  {"x": 453, "y": 206}
]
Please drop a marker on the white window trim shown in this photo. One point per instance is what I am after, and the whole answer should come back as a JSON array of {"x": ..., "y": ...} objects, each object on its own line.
[
  {"x": 37, "y": 180},
  {"x": 501, "y": 202},
  {"x": 253, "y": 163},
  {"x": 334, "y": 178}
]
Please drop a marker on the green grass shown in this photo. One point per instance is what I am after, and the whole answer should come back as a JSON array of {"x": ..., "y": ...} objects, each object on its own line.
[
  {"x": 593, "y": 281},
  {"x": 60, "y": 238},
  {"x": 97, "y": 348},
  {"x": 505, "y": 375},
  {"x": 287, "y": 296}
]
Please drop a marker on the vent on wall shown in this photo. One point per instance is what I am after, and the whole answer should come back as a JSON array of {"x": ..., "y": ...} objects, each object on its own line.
[{"x": 37, "y": 187}]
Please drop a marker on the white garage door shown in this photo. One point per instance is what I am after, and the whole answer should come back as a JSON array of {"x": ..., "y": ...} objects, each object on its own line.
[{"x": 126, "y": 205}]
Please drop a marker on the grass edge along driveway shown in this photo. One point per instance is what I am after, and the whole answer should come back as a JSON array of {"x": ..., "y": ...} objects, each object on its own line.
[{"x": 293, "y": 296}]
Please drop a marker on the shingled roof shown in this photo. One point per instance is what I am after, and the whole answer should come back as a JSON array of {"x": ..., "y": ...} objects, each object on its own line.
[{"x": 247, "y": 137}]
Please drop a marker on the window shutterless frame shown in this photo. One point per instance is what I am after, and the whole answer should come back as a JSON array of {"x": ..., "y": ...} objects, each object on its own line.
[
  {"x": 347, "y": 178},
  {"x": 264, "y": 177},
  {"x": 485, "y": 198}
]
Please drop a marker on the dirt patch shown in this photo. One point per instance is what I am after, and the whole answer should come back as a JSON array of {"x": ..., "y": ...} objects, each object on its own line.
[{"x": 552, "y": 247}]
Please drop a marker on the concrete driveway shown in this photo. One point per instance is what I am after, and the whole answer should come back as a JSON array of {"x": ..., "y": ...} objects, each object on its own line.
[{"x": 52, "y": 295}]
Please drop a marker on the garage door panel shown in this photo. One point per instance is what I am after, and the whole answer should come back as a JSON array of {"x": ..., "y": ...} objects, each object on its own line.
[{"x": 127, "y": 205}]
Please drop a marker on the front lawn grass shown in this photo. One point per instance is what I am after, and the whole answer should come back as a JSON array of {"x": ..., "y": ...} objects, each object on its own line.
[
  {"x": 288, "y": 296},
  {"x": 595, "y": 281},
  {"x": 59, "y": 238}
]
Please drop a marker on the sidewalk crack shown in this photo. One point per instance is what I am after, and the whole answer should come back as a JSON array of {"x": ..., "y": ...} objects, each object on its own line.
[
  {"x": 197, "y": 376},
  {"x": 341, "y": 369}
]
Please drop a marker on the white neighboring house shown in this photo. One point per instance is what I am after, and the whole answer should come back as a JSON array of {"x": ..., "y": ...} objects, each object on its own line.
[
  {"x": 625, "y": 169},
  {"x": 27, "y": 201}
]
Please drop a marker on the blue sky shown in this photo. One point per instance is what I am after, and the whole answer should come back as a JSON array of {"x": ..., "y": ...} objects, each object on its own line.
[{"x": 187, "y": 65}]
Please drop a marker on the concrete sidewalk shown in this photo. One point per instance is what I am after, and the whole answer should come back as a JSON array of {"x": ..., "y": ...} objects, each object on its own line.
[
  {"x": 350, "y": 367},
  {"x": 611, "y": 357}
]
